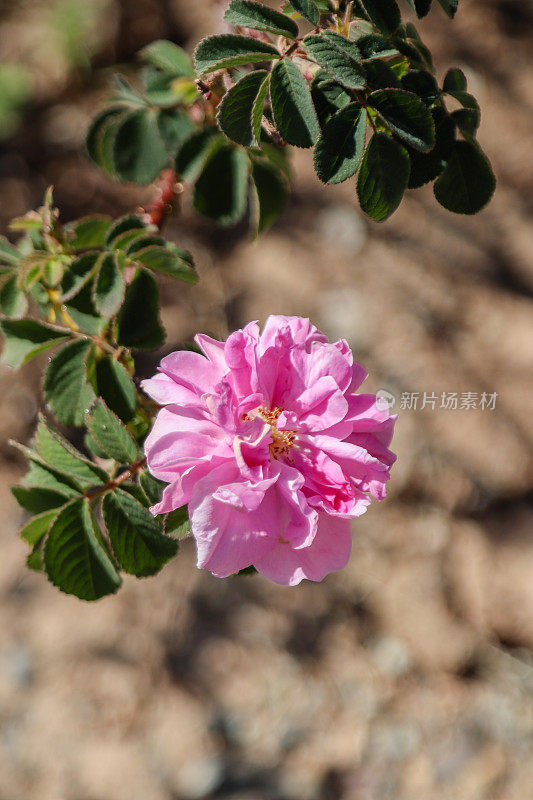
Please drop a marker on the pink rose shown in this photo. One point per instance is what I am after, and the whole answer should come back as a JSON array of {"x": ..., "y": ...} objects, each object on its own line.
[{"x": 268, "y": 443}]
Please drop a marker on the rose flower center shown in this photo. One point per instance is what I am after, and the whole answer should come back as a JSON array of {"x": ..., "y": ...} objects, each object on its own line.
[{"x": 282, "y": 441}]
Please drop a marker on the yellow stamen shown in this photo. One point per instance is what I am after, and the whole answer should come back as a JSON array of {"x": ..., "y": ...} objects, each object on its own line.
[{"x": 282, "y": 441}]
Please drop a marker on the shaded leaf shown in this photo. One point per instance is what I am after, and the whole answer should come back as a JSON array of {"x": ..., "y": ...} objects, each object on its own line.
[
  {"x": 236, "y": 109},
  {"x": 168, "y": 57},
  {"x": 372, "y": 45},
  {"x": 9, "y": 254},
  {"x": 34, "y": 530},
  {"x": 194, "y": 152},
  {"x": 247, "y": 14},
  {"x": 383, "y": 177},
  {"x": 139, "y": 152},
  {"x": 221, "y": 190},
  {"x": 138, "y": 324},
  {"x": 406, "y": 115},
  {"x": 308, "y": 9},
  {"x": 176, "y": 523},
  {"x": 60, "y": 455},
  {"x": 152, "y": 488},
  {"x": 421, "y": 83},
  {"x": 292, "y": 106},
  {"x": 125, "y": 224},
  {"x": 66, "y": 386},
  {"x": 88, "y": 232},
  {"x": 74, "y": 557},
  {"x": 426, "y": 167},
  {"x": 36, "y": 499},
  {"x": 230, "y": 50},
  {"x": 138, "y": 541},
  {"x": 109, "y": 287},
  {"x": 340, "y": 149},
  {"x": 467, "y": 183},
  {"x": 25, "y": 339},
  {"x": 110, "y": 434},
  {"x": 450, "y": 6},
  {"x": 385, "y": 14},
  {"x": 454, "y": 81},
  {"x": 116, "y": 388},
  {"x": 13, "y": 302},
  {"x": 342, "y": 66},
  {"x": 271, "y": 192},
  {"x": 167, "y": 261}
]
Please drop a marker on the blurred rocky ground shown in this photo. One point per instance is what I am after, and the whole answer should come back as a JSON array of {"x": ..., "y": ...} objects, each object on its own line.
[{"x": 407, "y": 676}]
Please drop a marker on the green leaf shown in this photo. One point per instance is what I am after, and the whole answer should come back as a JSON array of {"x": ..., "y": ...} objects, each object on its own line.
[
  {"x": 88, "y": 232},
  {"x": 406, "y": 115},
  {"x": 247, "y": 14},
  {"x": 8, "y": 253},
  {"x": 35, "y": 558},
  {"x": 139, "y": 152},
  {"x": 271, "y": 192},
  {"x": 257, "y": 110},
  {"x": 115, "y": 386},
  {"x": 426, "y": 167},
  {"x": 168, "y": 57},
  {"x": 145, "y": 240},
  {"x": 138, "y": 541},
  {"x": 74, "y": 557},
  {"x": 36, "y": 499},
  {"x": 13, "y": 301},
  {"x": 124, "y": 240},
  {"x": 349, "y": 47},
  {"x": 292, "y": 106},
  {"x": 308, "y": 9},
  {"x": 138, "y": 324},
  {"x": 236, "y": 109},
  {"x": 25, "y": 339},
  {"x": 81, "y": 309},
  {"x": 152, "y": 488},
  {"x": 421, "y": 83},
  {"x": 328, "y": 96},
  {"x": 450, "y": 6},
  {"x": 385, "y": 14},
  {"x": 34, "y": 530},
  {"x": 340, "y": 149},
  {"x": 421, "y": 7},
  {"x": 174, "y": 126},
  {"x": 467, "y": 118},
  {"x": 176, "y": 523},
  {"x": 194, "y": 152},
  {"x": 100, "y": 137},
  {"x": 230, "y": 50},
  {"x": 467, "y": 182},
  {"x": 82, "y": 271},
  {"x": 380, "y": 76},
  {"x": 372, "y": 45},
  {"x": 383, "y": 177},
  {"x": 337, "y": 62},
  {"x": 61, "y": 456},
  {"x": 66, "y": 386},
  {"x": 110, "y": 434},
  {"x": 109, "y": 288},
  {"x": 125, "y": 224},
  {"x": 454, "y": 81},
  {"x": 42, "y": 476},
  {"x": 167, "y": 261},
  {"x": 221, "y": 190}
]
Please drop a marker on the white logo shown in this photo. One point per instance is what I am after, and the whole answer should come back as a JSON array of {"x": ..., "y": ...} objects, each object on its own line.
[{"x": 385, "y": 400}]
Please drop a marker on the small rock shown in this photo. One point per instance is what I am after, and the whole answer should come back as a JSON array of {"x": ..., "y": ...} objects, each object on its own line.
[{"x": 392, "y": 655}]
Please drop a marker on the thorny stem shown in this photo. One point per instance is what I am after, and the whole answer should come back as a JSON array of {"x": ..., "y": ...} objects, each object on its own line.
[{"x": 114, "y": 483}]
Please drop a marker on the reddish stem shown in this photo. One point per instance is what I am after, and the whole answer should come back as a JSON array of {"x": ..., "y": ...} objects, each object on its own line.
[{"x": 161, "y": 205}]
